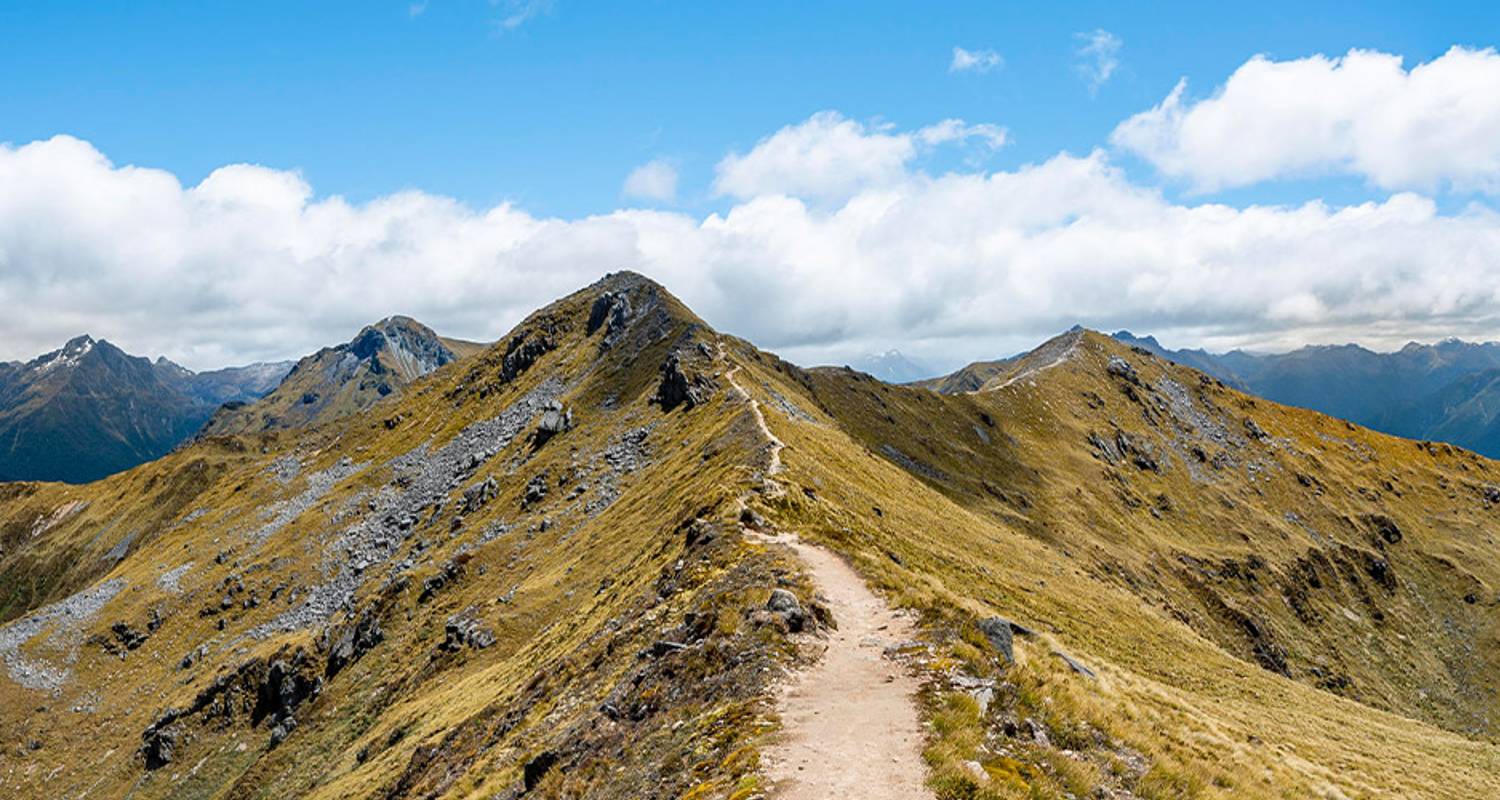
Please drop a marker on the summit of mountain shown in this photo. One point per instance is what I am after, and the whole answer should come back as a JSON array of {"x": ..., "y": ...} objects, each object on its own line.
[{"x": 382, "y": 359}]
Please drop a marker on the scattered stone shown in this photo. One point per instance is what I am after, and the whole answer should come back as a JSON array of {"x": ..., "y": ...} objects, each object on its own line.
[
  {"x": 1385, "y": 527},
  {"x": 1121, "y": 368},
  {"x": 477, "y": 495},
  {"x": 981, "y": 689},
  {"x": 997, "y": 630},
  {"x": 65, "y": 615},
  {"x": 555, "y": 419},
  {"x": 536, "y": 491},
  {"x": 421, "y": 480},
  {"x": 785, "y": 604},
  {"x": 1075, "y": 665}
]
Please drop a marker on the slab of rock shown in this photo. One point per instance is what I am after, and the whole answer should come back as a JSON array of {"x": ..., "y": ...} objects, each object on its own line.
[{"x": 998, "y": 630}]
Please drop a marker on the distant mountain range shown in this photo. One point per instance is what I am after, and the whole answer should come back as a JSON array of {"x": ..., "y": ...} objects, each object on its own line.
[
  {"x": 893, "y": 366},
  {"x": 89, "y": 409},
  {"x": 337, "y": 381},
  {"x": 1448, "y": 391}
]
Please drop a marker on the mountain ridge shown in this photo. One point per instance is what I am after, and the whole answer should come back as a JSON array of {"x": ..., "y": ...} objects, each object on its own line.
[
  {"x": 551, "y": 570},
  {"x": 89, "y": 409}
]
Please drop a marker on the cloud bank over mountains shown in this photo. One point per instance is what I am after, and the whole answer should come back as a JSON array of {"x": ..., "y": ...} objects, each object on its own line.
[{"x": 834, "y": 239}]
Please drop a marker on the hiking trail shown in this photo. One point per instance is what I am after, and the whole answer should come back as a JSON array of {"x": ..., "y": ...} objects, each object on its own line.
[{"x": 849, "y": 721}]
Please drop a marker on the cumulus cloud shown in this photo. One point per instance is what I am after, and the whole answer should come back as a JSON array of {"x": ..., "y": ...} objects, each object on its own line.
[
  {"x": 1097, "y": 56},
  {"x": 252, "y": 263},
  {"x": 829, "y": 157},
  {"x": 653, "y": 180},
  {"x": 977, "y": 61},
  {"x": 1434, "y": 126}
]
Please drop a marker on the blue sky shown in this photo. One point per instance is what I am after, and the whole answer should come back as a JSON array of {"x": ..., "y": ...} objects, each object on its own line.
[
  {"x": 366, "y": 98},
  {"x": 221, "y": 182}
]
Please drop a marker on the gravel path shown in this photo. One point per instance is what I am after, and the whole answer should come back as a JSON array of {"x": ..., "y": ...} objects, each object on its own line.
[{"x": 850, "y": 725}]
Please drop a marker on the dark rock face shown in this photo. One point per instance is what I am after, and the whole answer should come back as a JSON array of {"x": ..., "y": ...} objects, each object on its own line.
[
  {"x": 611, "y": 310},
  {"x": 523, "y": 351},
  {"x": 1121, "y": 368},
  {"x": 274, "y": 690},
  {"x": 1140, "y": 451},
  {"x": 450, "y": 572},
  {"x": 159, "y": 742},
  {"x": 128, "y": 637},
  {"x": 464, "y": 632},
  {"x": 997, "y": 630},
  {"x": 348, "y": 644},
  {"x": 1256, "y": 431},
  {"x": 537, "y": 768},
  {"x": 1385, "y": 527},
  {"x": 678, "y": 388}
]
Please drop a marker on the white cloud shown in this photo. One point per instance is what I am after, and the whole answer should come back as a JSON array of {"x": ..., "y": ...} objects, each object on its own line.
[
  {"x": 829, "y": 157},
  {"x": 1435, "y": 125},
  {"x": 415, "y": 10},
  {"x": 978, "y": 61},
  {"x": 251, "y": 263},
  {"x": 1098, "y": 56},
  {"x": 520, "y": 12},
  {"x": 654, "y": 180}
]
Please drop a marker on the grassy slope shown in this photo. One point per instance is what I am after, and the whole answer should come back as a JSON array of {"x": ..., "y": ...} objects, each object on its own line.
[
  {"x": 1029, "y": 523},
  {"x": 1033, "y": 526},
  {"x": 582, "y": 597}
]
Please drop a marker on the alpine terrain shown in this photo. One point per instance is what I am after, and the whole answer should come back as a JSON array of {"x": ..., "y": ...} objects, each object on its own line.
[
  {"x": 88, "y": 409},
  {"x": 1448, "y": 391},
  {"x": 337, "y": 381},
  {"x": 619, "y": 554}
]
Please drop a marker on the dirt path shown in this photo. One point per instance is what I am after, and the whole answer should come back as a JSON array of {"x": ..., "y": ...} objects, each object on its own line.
[
  {"x": 850, "y": 725},
  {"x": 773, "y": 444},
  {"x": 849, "y": 722}
]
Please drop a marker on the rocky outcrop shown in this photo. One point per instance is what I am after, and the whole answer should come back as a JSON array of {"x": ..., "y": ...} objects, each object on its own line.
[
  {"x": 678, "y": 388},
  {"x": 259, "y": 690},
  {"x": 524, "y": 350},
  {"x": 556, "y": 418},
  {"x": 611, "y": 310}
]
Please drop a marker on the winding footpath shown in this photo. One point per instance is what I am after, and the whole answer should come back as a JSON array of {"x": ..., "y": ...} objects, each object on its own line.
[{"x": 849, "y": 722}]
